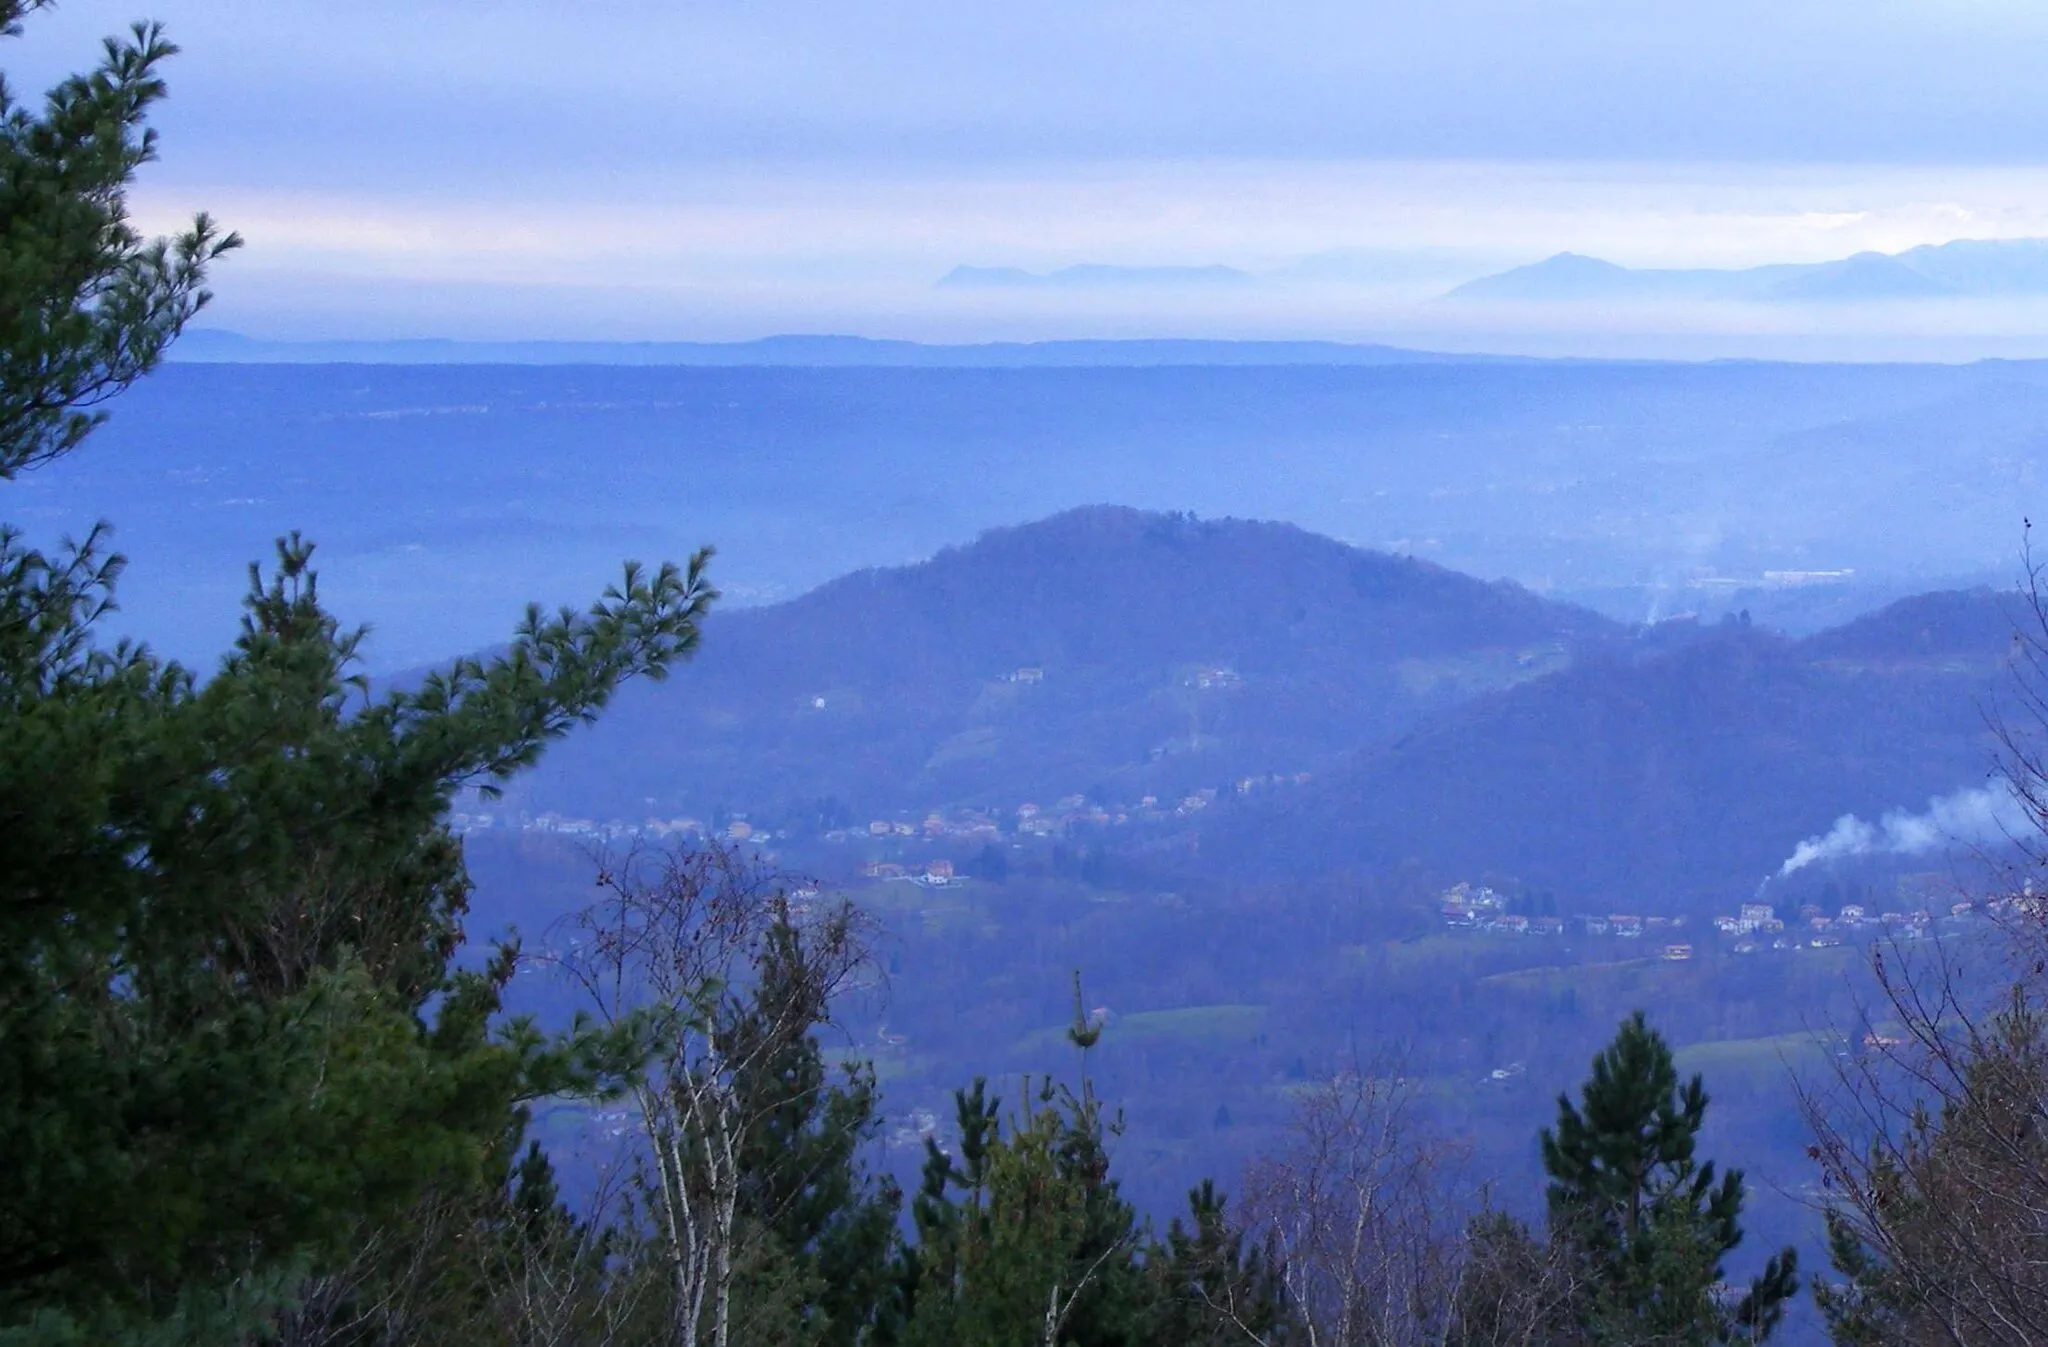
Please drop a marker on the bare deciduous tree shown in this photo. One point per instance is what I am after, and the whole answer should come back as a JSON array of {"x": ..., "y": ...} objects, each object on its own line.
[
  {"x": 1366, "y": 1211},
  {"x": 1514, "y": 1290},
  {"x": 562, "y": 1281},
  {"x": 1932, "y": 1136},
  {"x": 1933, "y": 1150},
  {"x": 478, "y": 1266},
  {"x": 673, "y": 943}
]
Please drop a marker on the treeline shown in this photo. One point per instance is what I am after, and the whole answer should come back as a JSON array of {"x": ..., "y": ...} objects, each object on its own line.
[
  {"x": 744, "y": 1208},
  {"x": 750, "y": 1215},
  {"x": 250, "y": 1093}
]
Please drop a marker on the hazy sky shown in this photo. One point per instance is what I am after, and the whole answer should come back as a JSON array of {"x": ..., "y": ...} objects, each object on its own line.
[{"x": 638, "y": 168}]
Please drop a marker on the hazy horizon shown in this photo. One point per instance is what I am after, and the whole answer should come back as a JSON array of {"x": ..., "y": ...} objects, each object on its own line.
[{"x": 725, "y": 173}]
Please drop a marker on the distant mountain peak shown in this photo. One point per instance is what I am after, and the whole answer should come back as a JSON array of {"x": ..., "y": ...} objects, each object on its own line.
[
  {"x": 1979, "y": 268},
  {"x": 1578, "y": 261},
  {"x": 1562, "y": 275}
]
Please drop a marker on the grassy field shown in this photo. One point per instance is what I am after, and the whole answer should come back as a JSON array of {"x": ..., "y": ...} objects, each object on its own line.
[
  {"x": 1755, "y": 1060},
  {"x": 1550, "y": 977},
  {"x": 1185, "y": 1024}
]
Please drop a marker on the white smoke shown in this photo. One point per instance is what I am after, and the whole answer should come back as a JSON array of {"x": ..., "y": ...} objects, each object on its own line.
[{"x": 1985, "y": 814}]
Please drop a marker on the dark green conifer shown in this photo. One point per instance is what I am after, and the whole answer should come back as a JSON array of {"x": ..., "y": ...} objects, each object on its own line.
[
  {"x": 827, "y": 1224},
  {"x": 1024, "y": 1237},
  {"x": 233, "y": 1038},
  {"x": 1210, "y": 1285},
  {"x": 87, "y": 305},
  {"x": 1642, "y": 1221}
]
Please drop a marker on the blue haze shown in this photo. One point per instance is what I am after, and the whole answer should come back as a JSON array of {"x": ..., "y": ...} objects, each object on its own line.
[{"x": 444, "y": 497}]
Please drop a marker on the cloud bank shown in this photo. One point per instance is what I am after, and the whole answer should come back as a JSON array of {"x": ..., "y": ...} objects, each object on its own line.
[{"x": 643, "y": 169}]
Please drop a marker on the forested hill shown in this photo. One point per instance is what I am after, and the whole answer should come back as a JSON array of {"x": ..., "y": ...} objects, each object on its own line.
[
  {"x": 1469, "y": 728},
  {"x": 1965, "y": 626},
  {"x": 1104, "y": 651},
  {"x": 1659, "y": 783}
]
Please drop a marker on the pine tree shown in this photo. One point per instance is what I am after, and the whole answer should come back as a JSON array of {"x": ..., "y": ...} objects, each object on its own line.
[
  {"x": 1209, "y": 1285},
  {"x": 1641, "y": 1220},
  {"x": 949, "y": 1215},
  {"x": 231, "y": 1033},
  {"x": 87, "y": 305},
  {"x": 1024, "y": 1239},
  {"x": 827, "y": 1224},
  {"x": 233, "y": 1039}
]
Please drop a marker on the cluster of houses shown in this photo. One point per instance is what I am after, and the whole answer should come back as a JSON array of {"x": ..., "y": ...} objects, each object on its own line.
[
  {"x": 1479, "y": 908},
  {"x": 737, "y": 829},
  {"x": 947, "y": 830},
  {"x": 1214, "y": 680},
  {"x": 463, "y": 822},
  {"x": 936, "y": 873},
  {"x": 1068, "y": 814},
  {"x": 1815, "y": 929},
  {"x": 1753, "y": 926},
  {"x": 913, "y": 1129},
  {"x": 1218, "y": 679}
]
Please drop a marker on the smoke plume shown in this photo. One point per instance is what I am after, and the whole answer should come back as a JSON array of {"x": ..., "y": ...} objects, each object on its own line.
[{"x": 1985, "y": 814}]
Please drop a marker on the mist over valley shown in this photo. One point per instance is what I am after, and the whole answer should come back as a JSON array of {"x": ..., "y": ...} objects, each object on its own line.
[{"x": 1804, "y": 493}]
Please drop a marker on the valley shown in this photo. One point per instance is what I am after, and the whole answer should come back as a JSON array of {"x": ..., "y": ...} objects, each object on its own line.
[
  {"x": 1249, "y": 781},
  {"x": 1227, "y": 768}
]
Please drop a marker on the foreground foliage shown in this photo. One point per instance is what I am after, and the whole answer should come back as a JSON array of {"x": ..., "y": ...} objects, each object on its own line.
[
  {"x": 234, "y": 1037},
  {"x": 1935, "y": 1158},
  {"x": 1638, "y": 1226}
]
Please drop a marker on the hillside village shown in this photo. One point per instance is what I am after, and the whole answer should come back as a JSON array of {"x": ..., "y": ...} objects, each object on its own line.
[
  {"x": 940, "y": 848},
  {"x": 1068, "y": 815},
  {"x": 1753, "y": 927}
]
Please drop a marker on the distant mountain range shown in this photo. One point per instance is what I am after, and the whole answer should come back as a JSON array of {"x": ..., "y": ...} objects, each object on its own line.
[
  {"x": 216, "y": 346},
  {"x": 1966, "y": 268}
]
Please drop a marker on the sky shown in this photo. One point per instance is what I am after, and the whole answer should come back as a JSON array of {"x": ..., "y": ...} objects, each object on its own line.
[{"x": 644, "y": 169}]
